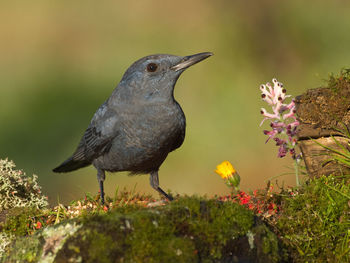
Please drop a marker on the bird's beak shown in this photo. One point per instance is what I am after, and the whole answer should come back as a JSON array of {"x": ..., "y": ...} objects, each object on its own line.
[{"x": 191, "y": 60}]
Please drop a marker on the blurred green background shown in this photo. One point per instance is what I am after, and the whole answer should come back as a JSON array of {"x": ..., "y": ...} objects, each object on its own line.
[{"x": 59, "y": 60}]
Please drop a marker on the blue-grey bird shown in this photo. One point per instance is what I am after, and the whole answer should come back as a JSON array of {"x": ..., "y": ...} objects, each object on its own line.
[{"x": 139, "y": 124}]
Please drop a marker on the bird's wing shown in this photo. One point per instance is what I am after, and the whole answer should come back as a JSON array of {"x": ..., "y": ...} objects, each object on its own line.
[
  {"x": 92, "y": 145},
  {"x": 99, "y": 136}
]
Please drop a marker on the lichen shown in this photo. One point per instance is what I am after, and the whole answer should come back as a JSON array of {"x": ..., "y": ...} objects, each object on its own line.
[
  {"x": 54, "y": 238},
  {"x": 41, "y": 247},
  {"x": 250, "y": 237},
  {"x": 28, "y": 249},
  {"x": 18, "y": 189},
  {"x": 5, "y": 240}
]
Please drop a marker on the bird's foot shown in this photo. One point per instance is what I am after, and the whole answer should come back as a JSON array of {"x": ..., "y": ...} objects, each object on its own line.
[{"x": 167, "y": 196}]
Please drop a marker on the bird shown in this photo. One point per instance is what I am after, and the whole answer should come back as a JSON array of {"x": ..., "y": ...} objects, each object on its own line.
[{"x": 136, "y": 128}]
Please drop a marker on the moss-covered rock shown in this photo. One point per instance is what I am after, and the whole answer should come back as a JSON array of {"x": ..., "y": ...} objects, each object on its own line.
[
  {"x": 323, "y": 111},
  {"x": 189, "y": 229}
]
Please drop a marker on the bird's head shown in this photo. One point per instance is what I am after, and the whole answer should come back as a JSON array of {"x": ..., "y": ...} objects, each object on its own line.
[{"x": 153, "y": 78}]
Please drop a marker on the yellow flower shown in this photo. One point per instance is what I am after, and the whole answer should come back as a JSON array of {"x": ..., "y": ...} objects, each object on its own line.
[{"x": 225, "y": 170}]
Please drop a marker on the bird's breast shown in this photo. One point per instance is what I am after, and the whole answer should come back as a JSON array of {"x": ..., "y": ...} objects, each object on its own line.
[
  {"x": 156, "y": 127},
  {"x": 145, "y": 137}
]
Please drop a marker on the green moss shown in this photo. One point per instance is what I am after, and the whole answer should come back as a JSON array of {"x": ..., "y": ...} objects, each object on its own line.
[
  {"x": 336, "y": 83},
  {"x": 30, "y": 250},
  {"x": 210, "y": 223},
  {"x": 269, "y": 243},
  {"x": 99, "y": 242},
  {"x": 315, "y": 223},
  {"x": 19, "y": 221},
  {"x": 190, "y": 229}
]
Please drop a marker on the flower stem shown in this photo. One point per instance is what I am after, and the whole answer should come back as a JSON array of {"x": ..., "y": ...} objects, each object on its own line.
[{"x": 296, "y": 168}]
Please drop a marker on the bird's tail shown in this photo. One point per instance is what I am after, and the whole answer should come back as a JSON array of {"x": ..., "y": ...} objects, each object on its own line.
[{"x": 70, "y": 165}]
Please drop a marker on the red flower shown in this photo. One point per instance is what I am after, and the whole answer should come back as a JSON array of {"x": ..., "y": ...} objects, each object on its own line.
[
  {"x": 38, "y": 225},
  {"x": 272, "y": 208},
  {"x": 244, "y": 200}
]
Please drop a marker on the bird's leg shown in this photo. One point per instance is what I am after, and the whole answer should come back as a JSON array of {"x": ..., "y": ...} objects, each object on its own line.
[
  {"x": 100, "y": 178},
  {"x": 154, "y": 181},
  {"x": 102, "y": 194}
]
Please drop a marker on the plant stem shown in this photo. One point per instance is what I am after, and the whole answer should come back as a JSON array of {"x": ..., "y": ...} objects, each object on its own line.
[
  {"x": 296, "y": 168},
  {"x": 339, "y": 192}
]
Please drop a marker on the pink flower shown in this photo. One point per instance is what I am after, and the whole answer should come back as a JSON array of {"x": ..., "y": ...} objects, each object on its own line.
[{"x": 282, "y": 123}]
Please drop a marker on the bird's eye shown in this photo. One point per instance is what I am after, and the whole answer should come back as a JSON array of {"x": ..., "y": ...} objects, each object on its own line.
[{"x": 152, "y": 67}]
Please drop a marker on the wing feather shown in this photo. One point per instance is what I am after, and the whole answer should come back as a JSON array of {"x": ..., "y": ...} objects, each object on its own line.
[{"x": 93, "y": 144}]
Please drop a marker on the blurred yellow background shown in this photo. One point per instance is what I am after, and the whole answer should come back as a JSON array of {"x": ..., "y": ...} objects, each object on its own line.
[{"x": 59, "y": 60}]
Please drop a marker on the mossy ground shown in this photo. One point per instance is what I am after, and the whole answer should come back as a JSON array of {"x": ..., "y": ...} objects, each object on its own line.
[
  {"x": 314, "y": 224},
  {"x": 311, "y": 224},
  {"x": 190, "y": 229}
]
